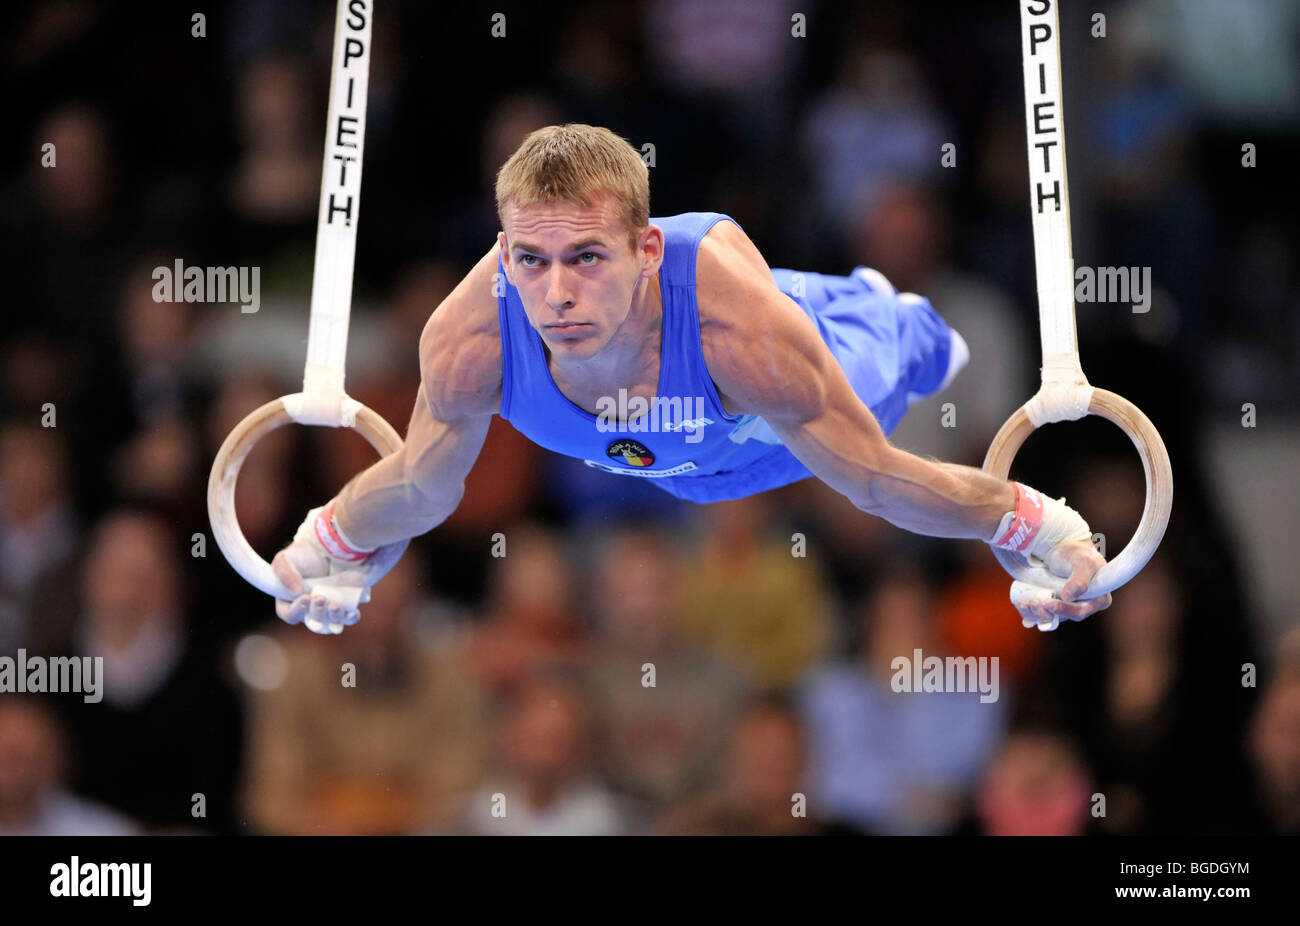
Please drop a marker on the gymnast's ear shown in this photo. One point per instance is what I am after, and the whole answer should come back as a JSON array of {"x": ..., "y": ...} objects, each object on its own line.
[
  {"x": 504, "y": 248},
  {"x": 650, "y": 246}
]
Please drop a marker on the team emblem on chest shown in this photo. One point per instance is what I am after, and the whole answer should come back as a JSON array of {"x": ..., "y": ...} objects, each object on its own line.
[{"x": 631, "y": 452}]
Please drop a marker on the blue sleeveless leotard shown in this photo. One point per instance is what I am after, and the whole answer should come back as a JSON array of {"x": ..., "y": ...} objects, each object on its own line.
[{"x": 684, "y": 442}]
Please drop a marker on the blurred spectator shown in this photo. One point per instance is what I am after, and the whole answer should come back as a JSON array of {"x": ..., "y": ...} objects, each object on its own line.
[
  {"x": 736, "y": 53},
  {"x": 748, "y": 599},
  {"x": 168, "y": 729},
  {"x": 1241, "y": 63},
  {"x": 1155, "y": 720},
  {"x": 154, "y": 437},
  {"x": 1153, "y": 212},
  {"x": 846, "y": 541},
  {"x": 892, "y": 762},
  {"x": 1274, "y": 746},
  {"x": 544, "y": 784},
  {"x": 1266, "y": 800},
  {"x": 905, "y": 236},
  {"x": 763, "y": 784},
  {"x": 1038, "y": 785},
  {"x": 33, "y": 801},
  {"x": 78, "y": 197},
  {"x": 531, "y": 624},
  {"x": 267, "y": 193},
  {"x": 605, "y": 79},
  {"x": 471, "y": 227},
  {"x": 1143, "y": 706},
  {"x": 990, "y": 239},
  {"x": 722, "y": 46},
  {"x": 32, "y": 373},
  {"x": 375, "y": 756},
  {"x": 974, "y": 614},
  {"x": 660, "y": 738},
  {"x": 876, "y": 124},
  {"x": 160, "y": 466},
  {"x": 265, "y": 27},
  {"x": 65, "y": 216},
  {"x": 277, "y": 180},
  {"x": 416, "y": 294},
  {"x": 38, "y": 526},
  {"x": 154, "y": 339}
]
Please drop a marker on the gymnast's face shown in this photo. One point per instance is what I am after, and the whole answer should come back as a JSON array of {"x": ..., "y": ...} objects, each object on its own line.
[{"x": 576, "y": 273}]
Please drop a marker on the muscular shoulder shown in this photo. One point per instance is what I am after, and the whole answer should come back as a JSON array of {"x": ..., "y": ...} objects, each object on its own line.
[
  {"x": 763, "y": 353},
  {"x": 460, "y": 348}
]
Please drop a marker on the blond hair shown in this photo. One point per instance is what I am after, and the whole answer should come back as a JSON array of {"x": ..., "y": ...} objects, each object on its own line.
[{"x": 576, "y": 163}]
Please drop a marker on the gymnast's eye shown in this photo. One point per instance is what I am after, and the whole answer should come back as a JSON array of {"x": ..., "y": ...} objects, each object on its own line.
[
  {"x": 525, "y": 258},
  {"x": 585, "y": 254}
]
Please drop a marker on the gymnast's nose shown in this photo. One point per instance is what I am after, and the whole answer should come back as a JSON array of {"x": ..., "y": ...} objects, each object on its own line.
[{"x": 559, "y": 295}]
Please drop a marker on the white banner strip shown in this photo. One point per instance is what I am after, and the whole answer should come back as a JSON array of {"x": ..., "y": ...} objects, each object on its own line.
[
  {"x": 1049, "y": 197},
  {"x": 340, "y": 204}
]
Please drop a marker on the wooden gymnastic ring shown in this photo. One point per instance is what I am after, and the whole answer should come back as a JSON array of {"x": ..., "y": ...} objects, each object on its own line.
[
  {"x": 225, "y": 472},
  {"x": 1155, "y": 514}
]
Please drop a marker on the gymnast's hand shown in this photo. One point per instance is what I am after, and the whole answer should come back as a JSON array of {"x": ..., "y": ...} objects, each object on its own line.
[
  {"x": 1049, "y": 531},
  {"x": 1077, "y": 561},
  {"x": 329, "y": 576}
]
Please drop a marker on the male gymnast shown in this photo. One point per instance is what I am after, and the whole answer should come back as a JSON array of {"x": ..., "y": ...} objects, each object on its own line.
[{"x": 584, "y": 295}]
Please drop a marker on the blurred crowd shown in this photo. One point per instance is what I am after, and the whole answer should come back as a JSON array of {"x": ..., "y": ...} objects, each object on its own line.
[{"x": 570, "y": 653}]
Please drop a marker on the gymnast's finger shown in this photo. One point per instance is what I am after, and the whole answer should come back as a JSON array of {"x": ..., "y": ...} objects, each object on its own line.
[
  {"x": 286, "y": 572},
  {"x": 292, "y": 612}
]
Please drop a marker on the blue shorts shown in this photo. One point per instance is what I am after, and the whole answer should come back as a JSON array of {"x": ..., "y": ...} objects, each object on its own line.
[{"x": 888, "y": 344}]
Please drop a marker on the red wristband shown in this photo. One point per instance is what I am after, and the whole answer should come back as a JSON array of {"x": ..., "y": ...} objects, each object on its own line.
[
  {"x": 327, "y": 533},
  {"x": 1026, "y": 520}
]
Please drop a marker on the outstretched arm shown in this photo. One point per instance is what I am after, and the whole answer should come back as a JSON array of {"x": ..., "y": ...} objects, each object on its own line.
[
  {"x": 768, "y": 359},
  {"x": 417, "y": 488},
  {"x": 358, "y": 536}
]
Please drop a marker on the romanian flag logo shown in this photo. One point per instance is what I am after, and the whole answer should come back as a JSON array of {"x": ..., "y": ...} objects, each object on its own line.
[{"x": 630, "y": 452}]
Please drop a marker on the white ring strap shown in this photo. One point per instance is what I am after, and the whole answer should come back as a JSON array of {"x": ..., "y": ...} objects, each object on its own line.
[
  {"x": 1065, "y": 393},
  {"x": 323, "y": 399}
]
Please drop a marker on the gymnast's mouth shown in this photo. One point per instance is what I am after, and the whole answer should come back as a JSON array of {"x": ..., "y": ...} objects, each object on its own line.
[{"x": 569, "y": 326}]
